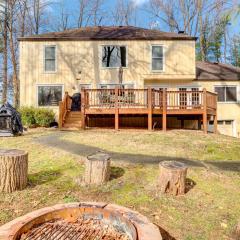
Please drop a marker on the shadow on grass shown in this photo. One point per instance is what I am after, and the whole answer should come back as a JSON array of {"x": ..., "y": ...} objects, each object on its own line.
[
  {"x": 116, "y": 172},
  {"x": 165, "y": 234},
  {"x": 54, "y": 140},
  {"x": 43, "y": 177}
]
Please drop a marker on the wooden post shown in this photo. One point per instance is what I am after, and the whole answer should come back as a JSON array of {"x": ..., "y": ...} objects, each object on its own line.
[
  {"x": 182, "y": 123},
  {"x": 205, "y": 125},
  {"x": 60, "y": 116},
  {"x": 199, "y": 123},
  {"x": 83, "y": 105},
  {"x": 97, "y": 169},
  {"x": 116, "y": 109},
  {"x": 172, "y": 178},
  {"x": 215, "y": 123},
  {"x": 13, "y": 170},
  {"x": 149, "y": 99},
  {"x": 164, "y": 115}
]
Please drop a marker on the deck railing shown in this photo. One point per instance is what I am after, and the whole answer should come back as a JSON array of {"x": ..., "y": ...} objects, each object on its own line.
[
  {"x": 108, "y": 98},
  {"x": 139, "y": 98},
  {"x": 64, "y": 107},
  {"x": 143, "y": 101}
]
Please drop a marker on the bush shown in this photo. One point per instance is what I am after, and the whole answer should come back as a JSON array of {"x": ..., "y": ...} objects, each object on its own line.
[
  {"x": 27, "y": 116},
  {"x": 44, "y": 117},
  {"x": 36, "y": 117}
]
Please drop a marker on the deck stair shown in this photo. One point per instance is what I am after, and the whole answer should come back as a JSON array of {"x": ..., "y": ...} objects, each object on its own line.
[{"x": 73, "y": 120}]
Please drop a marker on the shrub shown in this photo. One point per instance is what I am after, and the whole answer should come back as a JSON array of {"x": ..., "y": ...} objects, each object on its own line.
[
  {"x": 44, "y": 117},
  {"x": 32, "y": 117},
  {"x": 27, "y": 115}
]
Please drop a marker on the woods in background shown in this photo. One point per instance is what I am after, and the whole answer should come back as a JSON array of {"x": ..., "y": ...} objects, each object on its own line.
[{"x": 214, "y": 22}]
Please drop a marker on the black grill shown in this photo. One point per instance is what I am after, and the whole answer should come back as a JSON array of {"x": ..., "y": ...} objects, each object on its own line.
[{"x": 10, "y": 121}]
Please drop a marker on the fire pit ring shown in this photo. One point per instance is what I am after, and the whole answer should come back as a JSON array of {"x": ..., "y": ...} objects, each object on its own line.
[{"x": 81, "y": 221}]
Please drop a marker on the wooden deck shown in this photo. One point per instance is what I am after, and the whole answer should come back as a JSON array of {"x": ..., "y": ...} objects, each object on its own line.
[{"x": 144, "y": 102}]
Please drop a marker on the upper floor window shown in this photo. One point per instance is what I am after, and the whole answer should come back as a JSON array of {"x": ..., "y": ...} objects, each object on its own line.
[
  {"x": 226, "y": 93},
  {"x": 49, "y": 95},
  {"x": 50, "y": 58},
  {"x": 157, "y": 58},
  {"x": 114, "y": 56}
]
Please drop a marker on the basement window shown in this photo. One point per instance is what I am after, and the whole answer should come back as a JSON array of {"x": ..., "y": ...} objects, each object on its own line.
[
  {"x": 49, "y": 95},
  {"x": 226, "y": 93},
  {"x": 50, "y": 59},
  {"x": 114, "y": 56}
]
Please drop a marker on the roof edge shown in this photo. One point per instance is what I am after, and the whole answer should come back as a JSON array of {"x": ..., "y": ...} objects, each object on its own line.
[{"x": 33, "y": 39}]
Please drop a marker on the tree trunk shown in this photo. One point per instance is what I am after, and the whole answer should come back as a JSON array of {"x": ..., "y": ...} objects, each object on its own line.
[
  {"x": 97, "y": 169},
  {"x": 13, "y": 56},
  {"x": 172, "y": 177},
  {"x": 5, "y": 58},
  {"x": 13, "y": 170}
]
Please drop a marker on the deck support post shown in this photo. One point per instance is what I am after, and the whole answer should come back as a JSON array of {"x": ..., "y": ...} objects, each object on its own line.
[
  {"x": 150, "y": 124},
  {"x": 116, "y": 109},
  {"x": 83, "y": 105},
  {"x": 199, "y": 123},
  {"x": 60, "y": 116},
  {"x": 215, "y": 123},
  {"x": 164, "y": 115},
  {"x": 205, "y": 125}
]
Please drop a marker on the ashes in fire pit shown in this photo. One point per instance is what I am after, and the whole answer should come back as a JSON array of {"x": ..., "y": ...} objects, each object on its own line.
[{"x": 88, "y": 229}]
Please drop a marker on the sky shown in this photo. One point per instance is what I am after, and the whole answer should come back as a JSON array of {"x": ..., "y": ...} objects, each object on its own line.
[{"x": 143, "y": 17}]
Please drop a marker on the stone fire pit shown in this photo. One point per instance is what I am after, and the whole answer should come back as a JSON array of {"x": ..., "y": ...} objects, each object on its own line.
[{"x": 81, "y": 221}]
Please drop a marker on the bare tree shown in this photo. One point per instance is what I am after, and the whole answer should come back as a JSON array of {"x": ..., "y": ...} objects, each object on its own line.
[
  {"x": 83, "y": 13},
  {"x": 61, "y": 21},
  {"x": 5, "y": 54},
  {"x": 12, "y": 5},
  {"x": 37, "y": 14},
  {"x": 96, "y": 12},
  {"x": 124, "y": 12},
  {"x": 195, "y": 17}
]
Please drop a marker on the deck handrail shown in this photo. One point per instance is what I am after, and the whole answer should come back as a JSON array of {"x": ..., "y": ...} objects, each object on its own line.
[
  {"x": 141, "y": 98},
  {"x": 64, "y": 107},
  {"x": 138, "y": 98}
]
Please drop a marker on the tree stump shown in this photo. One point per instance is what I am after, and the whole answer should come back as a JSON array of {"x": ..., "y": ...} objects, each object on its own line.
[
  {"x": 97, "y": 169},
  {"x": 13, "y": 170},
  {"x": 172, "y": 177}
]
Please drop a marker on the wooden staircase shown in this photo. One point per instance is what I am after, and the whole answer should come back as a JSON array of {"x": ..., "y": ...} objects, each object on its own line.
[
  {"x": 69, "y": 120},
  {"x": 73, "y": 121}
]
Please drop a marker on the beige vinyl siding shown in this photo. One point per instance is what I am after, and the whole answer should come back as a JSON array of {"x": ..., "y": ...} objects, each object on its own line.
[{"x": 85, "y": 57}]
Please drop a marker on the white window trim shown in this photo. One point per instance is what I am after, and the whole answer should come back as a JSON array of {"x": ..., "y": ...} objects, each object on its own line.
[
  {"x": 44, "y": 69},
  {"x": 118, "y": 45},
  {"x": 237, "y": 92},
  {"x": 86, "y": 84},
  {"x": 164, "y": 51},
  {"x": 124, "y": 83},
  {"x": 51, "y": 85}
]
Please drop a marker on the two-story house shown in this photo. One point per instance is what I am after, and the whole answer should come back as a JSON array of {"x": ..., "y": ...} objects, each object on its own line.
[{"x": 129, "y": 77}]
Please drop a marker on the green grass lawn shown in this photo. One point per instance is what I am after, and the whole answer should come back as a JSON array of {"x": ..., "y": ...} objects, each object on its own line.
[{"x": 209, "y": 210}]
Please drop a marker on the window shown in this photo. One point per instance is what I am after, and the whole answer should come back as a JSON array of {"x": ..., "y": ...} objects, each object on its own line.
[
  {"x": 226, "y": 93},
  {"x": 195, "y": 96},
  {"x": 83, "y": 86},
  {"x": 157, "y": 58},
  {"x": 114, "y": 56},
  {"x": 49, "y": 95},
  {"x": 112, "y": 86},
  {"x": 50, "y": 58}
]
